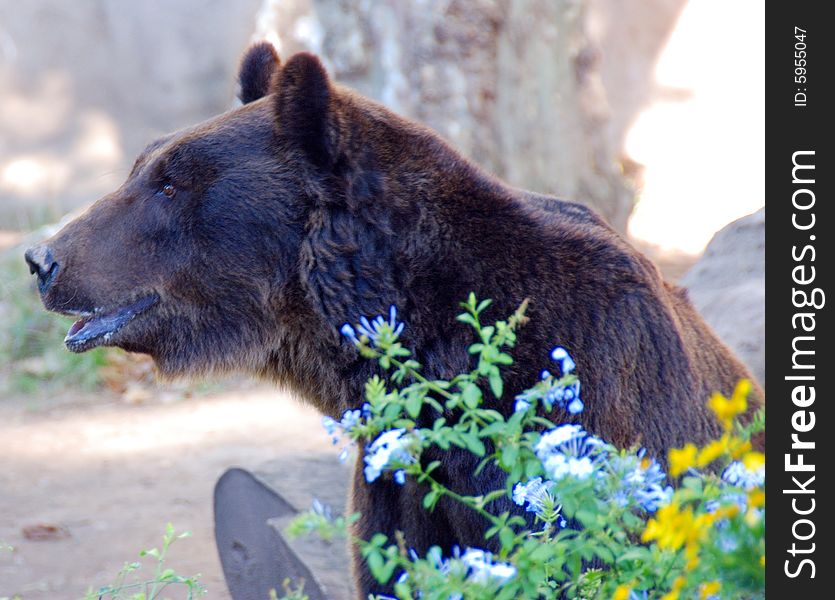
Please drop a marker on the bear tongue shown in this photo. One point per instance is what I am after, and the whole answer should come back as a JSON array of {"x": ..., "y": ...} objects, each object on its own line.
[
  {"x": 78, "y": 325},
  {"x": 87, "y": 331}
]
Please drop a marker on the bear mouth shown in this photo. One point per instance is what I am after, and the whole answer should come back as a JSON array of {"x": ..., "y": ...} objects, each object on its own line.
[{"x": 98, "y": 327}]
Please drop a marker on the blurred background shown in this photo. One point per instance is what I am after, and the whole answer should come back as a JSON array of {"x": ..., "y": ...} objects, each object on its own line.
[{"x": 651, "y": 111}]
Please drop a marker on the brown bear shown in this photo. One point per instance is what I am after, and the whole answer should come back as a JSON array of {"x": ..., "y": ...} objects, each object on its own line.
[{"x": 245, "y": 242}]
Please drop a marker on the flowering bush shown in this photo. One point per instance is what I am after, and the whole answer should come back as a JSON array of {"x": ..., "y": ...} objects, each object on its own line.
[{"x": 606, "y": 522}]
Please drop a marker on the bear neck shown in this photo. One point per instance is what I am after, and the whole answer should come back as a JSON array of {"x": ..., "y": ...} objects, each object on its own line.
[{"x": 431, "y": 229}]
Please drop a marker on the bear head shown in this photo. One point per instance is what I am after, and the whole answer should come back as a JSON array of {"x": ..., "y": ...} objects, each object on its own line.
[{"x": 232, "y": 240}]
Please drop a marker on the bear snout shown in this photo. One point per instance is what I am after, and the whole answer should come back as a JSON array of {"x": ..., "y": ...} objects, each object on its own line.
[{"x": 42, "y": 263}]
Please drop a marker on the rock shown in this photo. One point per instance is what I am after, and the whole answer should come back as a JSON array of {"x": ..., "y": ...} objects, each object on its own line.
[{"x": 727, "y": 285}]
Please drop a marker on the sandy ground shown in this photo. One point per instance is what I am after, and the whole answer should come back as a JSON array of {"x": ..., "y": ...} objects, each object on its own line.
[{"x": 112, "y": 474}]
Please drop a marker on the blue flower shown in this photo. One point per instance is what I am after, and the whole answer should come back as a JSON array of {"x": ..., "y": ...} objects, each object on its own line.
[
  {"x": 565, "y": 396},
  {"x": 330, "y": 426},
  {"x": 522, "y": 403},
  {"x": 640, "y": 481},
  {"x": 350, "y": 419},
  {"x": 739, "y": 475},
  {"x": 336, "y": 429},
  {"x": 379, "y": 327},
  {"x": 482, "y": 568},
  {"x": 391, "y": 448},
  {"x": 400, "y": 476},
  {"x": 322, "y": 509},
  {"x": 569, "y": 450},
  {"x": 560, "y": 355},
  {"x": 349, "y": 333},
  {"x": 535, "y": 493},
  {"x": 538, "y": 498}
]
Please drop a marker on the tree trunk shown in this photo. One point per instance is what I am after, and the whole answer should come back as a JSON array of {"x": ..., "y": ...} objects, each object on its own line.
[{"x": 515, "y": 86}]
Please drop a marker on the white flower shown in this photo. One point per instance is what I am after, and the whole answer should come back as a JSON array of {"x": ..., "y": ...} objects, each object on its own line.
[
  {"x": 560, "y": 355},
  {"x": 390, "y": 447},
  {"x": 739, "y": 475},
  {"x": 557, "y": 437},
  {"x": 482, "y": 568},
  {"x": 568, "y": 450}
]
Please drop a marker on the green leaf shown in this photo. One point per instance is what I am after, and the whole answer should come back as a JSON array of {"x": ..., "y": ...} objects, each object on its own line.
[
  {"x": 413, "y": 405},
  {"x": 467, "y": 318},
  {"x": 635, "y": 553},
  {"x": 504, "y": 359},
  {"x": 473, "y": 443},
  {"x": 430, "y": 499},
  {"x": 496, "y": 384},
  {"x": 507, "y": 538},
  {"x": 483, "y": 305},
  {"x": 375, "y": 565},
  {"x": 509, "y": 455},
  {"x": 432, "y": 466},
  {"x": 471, "y": 395}
]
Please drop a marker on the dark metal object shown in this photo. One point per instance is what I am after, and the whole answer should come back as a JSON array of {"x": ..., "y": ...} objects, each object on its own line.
[{"x": 254, "y": 555}]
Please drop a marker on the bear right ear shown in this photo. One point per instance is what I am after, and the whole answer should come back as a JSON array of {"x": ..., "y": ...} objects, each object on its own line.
[{"x": 256, "y": 71}]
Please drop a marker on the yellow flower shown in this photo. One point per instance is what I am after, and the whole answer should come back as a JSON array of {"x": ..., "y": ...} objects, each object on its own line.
[
  {"x": 670, "y": 527},
  {"x": 754, "y": 461},
  {"x": 709, "y": 589},
  {"x": 726, "y": 410},
  {"x": 673, "y": 594},
  {"x": 682, "y": 459},
  {"x": 622, "y": 593},
  {"x": 752, "y": 517},
  {"x": 756, "y": 498},
  {"x": 691, "y": 553},
  {"x": 738, "y": 448},
  {"x": 712, "y": 451}
]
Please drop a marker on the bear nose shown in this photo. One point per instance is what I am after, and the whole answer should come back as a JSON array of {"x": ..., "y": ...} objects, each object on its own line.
[{"x": 42, "y": 263}]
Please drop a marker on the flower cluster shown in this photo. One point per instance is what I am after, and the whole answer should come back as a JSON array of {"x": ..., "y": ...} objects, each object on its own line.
[
  {"x": 610, "y": 507},
  {"x": 481, "y": 567},
  {"x": 392, "y": 448},
  {"x": 337, "y": 429},
  {"x": 738, "y": 474},
  {"x": 569, "y": 450},
  {"x": 641, "y": 481},
  {"x": 536, "y": 494},
  {"x": 563, "y": 391},
  {"x": 376, "y": 330}
]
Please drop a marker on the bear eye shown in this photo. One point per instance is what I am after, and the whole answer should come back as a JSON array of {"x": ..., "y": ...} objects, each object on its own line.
[{"x": 169, "y": 190}]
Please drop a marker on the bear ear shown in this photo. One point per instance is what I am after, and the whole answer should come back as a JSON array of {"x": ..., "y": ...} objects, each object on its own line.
[
  {"x": 302, "y": 106},
  {"x": 256, "y": 71}
]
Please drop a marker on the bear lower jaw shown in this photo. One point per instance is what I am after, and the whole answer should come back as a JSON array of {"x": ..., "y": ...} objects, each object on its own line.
[{"x": 97, "y": 328}]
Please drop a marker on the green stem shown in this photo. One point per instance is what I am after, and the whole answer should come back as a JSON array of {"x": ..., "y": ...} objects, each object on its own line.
[{"x": 465, "y": 500}]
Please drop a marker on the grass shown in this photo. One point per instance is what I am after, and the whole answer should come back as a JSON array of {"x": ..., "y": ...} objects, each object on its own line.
[{"x": 32, "y": 355}]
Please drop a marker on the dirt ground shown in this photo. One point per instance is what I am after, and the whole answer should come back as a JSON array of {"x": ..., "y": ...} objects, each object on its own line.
[{"x": 111, "y": 474}]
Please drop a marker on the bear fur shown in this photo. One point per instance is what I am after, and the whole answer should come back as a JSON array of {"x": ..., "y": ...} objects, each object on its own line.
[{"x": 245, "y": 242}]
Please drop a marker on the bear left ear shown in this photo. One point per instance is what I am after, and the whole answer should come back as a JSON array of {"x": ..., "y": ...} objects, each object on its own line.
[
  {"x": 302, "y": 105},
  {"x": 256, "y": 71}
]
